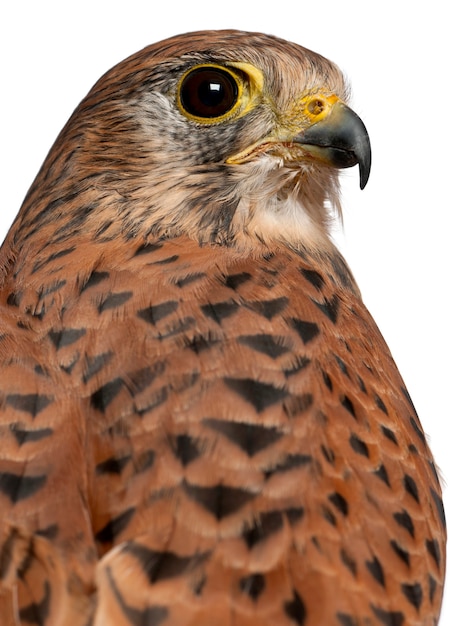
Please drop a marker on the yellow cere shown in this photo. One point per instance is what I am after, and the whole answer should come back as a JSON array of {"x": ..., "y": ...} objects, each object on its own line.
[{"x": 317, "y": 106}]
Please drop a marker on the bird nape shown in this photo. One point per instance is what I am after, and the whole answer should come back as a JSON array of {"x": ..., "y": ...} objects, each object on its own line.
[{"x": 200, "y": 421}]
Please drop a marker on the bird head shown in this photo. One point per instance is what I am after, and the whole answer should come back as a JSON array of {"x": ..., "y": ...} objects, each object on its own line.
[{"x": 232, "y": 138}]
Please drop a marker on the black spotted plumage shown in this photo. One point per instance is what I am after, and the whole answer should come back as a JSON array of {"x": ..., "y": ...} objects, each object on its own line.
[{"x": 200, "y": 421}]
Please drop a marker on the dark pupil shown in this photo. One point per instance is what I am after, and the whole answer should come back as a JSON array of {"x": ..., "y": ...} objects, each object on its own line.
[{"x": 208, "y": 92}]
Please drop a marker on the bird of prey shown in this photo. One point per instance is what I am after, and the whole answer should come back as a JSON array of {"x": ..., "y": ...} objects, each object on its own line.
[{"x": 200, "y": 422}]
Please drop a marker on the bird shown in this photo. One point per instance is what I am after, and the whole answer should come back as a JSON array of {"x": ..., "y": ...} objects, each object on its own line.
[{"x": 200, "y": 420}]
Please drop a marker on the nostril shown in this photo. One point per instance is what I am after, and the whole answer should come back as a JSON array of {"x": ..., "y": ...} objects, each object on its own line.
[{"x": 316, "y": 106}]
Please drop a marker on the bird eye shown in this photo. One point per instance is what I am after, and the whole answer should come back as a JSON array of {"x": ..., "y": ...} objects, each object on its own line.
[{"x": 209, "y": 92}]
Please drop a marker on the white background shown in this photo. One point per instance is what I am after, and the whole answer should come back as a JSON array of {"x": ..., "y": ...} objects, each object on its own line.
[{"x": 408, "y": 236}]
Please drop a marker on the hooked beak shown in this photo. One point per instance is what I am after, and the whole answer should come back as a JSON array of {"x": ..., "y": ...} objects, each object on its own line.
[
  {"x": 325, "y": 129},
  {"x": 338, "y": 138}
]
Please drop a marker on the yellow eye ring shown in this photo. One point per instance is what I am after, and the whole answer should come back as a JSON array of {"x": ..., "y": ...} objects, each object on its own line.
[{"x": 210, "y": 93}]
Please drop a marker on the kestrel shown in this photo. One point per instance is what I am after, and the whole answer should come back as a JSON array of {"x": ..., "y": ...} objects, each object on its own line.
[{"x": 200, "y": 421}]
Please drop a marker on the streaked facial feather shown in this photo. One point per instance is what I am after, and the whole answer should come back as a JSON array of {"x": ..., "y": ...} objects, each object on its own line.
[{"x": 131, "y": 150}]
